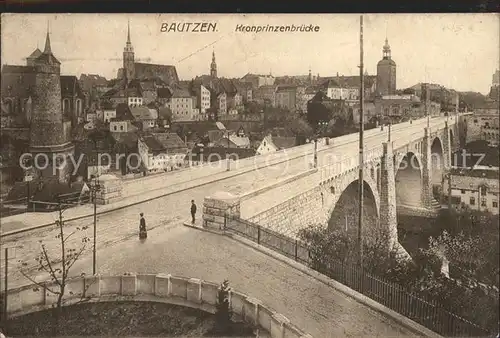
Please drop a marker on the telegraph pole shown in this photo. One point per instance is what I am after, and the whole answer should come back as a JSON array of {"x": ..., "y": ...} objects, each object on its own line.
[{"x": 361, "y": 143}]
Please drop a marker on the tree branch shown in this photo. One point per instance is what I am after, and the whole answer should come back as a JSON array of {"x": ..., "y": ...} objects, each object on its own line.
[
  {"x": 51, "y": 269},
  {"x": 40, "y": 284}
]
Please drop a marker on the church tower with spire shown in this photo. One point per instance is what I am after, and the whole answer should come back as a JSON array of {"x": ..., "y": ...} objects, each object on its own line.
[
  {"x": 213, "y": 66},
  {"x": 128, "y": 58},
  {"x": 49, "y": 134},
  {"x": 386, "y": 72}
]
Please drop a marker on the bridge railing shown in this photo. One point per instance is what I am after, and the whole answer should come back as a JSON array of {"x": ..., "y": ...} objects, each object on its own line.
[{"x": 417, "y": 307}]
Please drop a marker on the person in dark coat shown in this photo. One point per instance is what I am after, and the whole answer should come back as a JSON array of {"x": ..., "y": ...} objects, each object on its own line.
[
  {"x": 193, "y": 211},
  {"x": 142, "y": 227}
]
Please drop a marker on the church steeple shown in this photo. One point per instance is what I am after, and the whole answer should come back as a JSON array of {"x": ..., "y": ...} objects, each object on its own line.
[
  {"x": 386, "y": 51},
  {"x": 47, "y": 49},
  {"x": 213, "y": 66},
  {"x": 128, "y": 33},
  {"x": 128, "y": 58}
]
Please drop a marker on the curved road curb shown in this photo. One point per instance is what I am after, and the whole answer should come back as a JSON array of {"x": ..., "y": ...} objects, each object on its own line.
[{"x": 418, "y": 329}]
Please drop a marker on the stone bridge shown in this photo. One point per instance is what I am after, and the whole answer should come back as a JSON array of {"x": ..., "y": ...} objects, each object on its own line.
[
  {"x": 402, "y": 164},
  {"x": 163, "y": 288}
]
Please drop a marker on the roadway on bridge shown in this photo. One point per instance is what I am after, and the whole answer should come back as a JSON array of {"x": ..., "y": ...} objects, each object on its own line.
[
  {"x": 165, "y": 216},
  {"x": 171, "y": 210},
  {"x": 313, "y": 306}
]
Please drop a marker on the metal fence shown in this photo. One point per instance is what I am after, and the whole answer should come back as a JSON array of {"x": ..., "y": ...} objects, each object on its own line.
[{"x": 418, "y": 308}]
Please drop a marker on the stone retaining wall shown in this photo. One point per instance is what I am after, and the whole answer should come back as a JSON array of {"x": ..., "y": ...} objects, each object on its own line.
[{"x": 164, "y": 288}]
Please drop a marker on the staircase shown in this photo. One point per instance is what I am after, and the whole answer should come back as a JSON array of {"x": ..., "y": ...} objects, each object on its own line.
[{"x": 435, "y": 205}]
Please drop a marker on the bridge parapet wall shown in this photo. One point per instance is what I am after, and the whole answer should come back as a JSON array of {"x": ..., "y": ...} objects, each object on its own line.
[{"x": 164, "y": 288}]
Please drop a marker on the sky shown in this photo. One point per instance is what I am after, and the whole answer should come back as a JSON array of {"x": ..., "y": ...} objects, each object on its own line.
[{"x": 458, "y": 51}]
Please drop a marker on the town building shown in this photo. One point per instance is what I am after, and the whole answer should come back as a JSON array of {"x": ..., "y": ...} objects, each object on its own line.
[
  {"x": 475, "y": 188},
  {"x": 93, "y": 86},
  {"x": 484, "y": 123},
  {"x": 73, "y": 100},
  {"x": 161, "y": 151},
  {"x": 309, "y": 93},
  {"x": 386, "y": 72},
  {"x": 266, "y": 94},
  {"x": 258, "y": 80},
  {"x": 134, "y": 101},
  {"x": 397, "y": 107},
  {"x": 286, "y": 97},
  {"x": 347, "y": 87},
  {"x": 144, "y": 71},
  {"x": 182, "y": 105},
  {"x": 271, "y": 144},
  {"x": 147, "y": 117},
  {"x": 122, "y": 123}
]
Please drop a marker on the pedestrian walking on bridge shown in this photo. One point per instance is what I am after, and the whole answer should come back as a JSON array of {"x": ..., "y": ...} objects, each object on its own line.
[
  {"x": 142, "y": 227},
  {"x": 193, "y": 212}
]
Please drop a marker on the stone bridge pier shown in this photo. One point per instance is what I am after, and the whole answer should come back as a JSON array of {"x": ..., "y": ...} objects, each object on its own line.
[{"x": 330, "y": 196}]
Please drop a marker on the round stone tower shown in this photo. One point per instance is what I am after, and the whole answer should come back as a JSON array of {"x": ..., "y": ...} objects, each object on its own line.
[
  {"x": 50, "y": 142},
  {"x": 386, "y": 72}
]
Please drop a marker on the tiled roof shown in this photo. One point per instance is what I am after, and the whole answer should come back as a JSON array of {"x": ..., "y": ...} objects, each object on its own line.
[
  {"x": 171, "y": 142},
  {"x": 213, "y": 154},
  {"x": 87, "y": 81},
  {"x": 488, "y": 105},
  {"x": 164, "y": 93},
  {"x": 47, "y": 58},
  {"x": 240, "y": 141},
  {"x": 123, "y": 112},
  {"x": 128, "y": 139},
  {"x": 482, "y": 173},
  {"x": 349, "y": 81},
  {"x": 166, "y": 73},
  {"x": 181, "y": 92},
  {"x": 164, "y": 113},
  {"x": 215, "y": 135},
  {"x": 36, "y": 53},
  {"x": 70, "y": 87},
  {"x": 284, "y": 142},
  {"x": 144, "y": 113},
  {"x": 152, "y": 143}
]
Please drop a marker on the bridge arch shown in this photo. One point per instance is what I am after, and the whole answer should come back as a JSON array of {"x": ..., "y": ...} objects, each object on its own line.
[
  {"x": 344, "y": 213},
  {"x": 437, "y": 161},
  {"x": 408, "y": 179}
]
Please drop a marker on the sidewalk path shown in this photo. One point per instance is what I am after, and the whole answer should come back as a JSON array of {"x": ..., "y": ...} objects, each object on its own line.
[
  {"x": 163, "y": 213},
  {"x": 313, "y": 306}
]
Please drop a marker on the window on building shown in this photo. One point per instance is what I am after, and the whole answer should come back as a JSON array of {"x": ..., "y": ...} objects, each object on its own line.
[
  {"x": 121, "y": 127},
  {"x": 115, "y": 128},
  {"x": 475, "y": 120},
  {"x": 66, "y": 106},
  {"x": 462, "y": 191},
  {"x": 483, "y": 190},
  {"x": 483, "y": 202},
  {"x": 495, "y": 204},
  {"x": 472, "y": 201}
]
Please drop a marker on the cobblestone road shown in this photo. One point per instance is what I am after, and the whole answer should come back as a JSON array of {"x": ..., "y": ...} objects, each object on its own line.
[{"x": 313, "y": 306}]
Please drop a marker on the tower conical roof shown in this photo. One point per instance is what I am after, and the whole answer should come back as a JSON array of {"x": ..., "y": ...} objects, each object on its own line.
[
  {"x": 36, "y": 53},
  {"x": 47, "y": 56}
]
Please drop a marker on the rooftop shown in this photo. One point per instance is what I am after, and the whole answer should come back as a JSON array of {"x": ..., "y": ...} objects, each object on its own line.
[{"x": 490, "y": 173}]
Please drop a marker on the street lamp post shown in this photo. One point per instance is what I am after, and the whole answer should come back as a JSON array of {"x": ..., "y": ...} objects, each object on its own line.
[{"x": 95, "y": 187}]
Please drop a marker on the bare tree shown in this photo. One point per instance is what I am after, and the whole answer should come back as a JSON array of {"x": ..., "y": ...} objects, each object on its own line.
[{"x": 59, "y": 267}]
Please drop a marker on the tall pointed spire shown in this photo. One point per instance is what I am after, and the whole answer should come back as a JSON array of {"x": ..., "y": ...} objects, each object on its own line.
[
  {"x": 47, "y": 49},
  {"x": 128, "y": 32}
]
